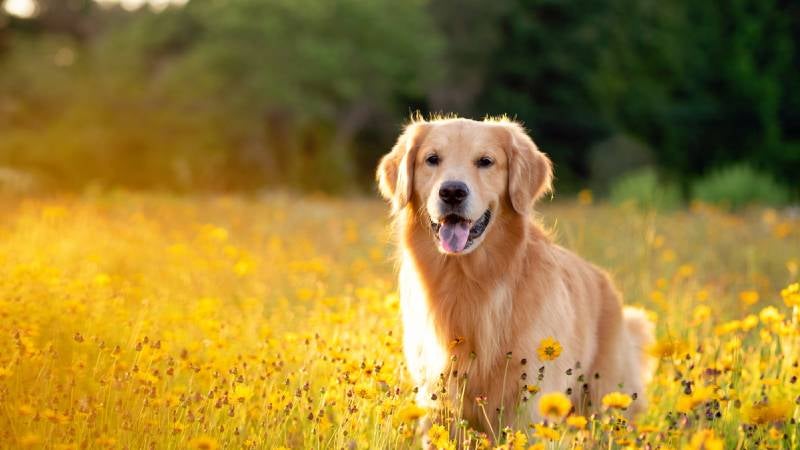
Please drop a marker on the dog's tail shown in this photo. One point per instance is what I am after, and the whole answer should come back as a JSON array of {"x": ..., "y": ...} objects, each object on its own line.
[{"x": 640, "y": 331}]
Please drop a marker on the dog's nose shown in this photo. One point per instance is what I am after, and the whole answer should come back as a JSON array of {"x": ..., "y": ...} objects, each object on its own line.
[{"x": 453, "y": 192}]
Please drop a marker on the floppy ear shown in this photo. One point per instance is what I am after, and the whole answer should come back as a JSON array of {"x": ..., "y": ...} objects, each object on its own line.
[
  {"x": 395, "y": 173},
  {"x": 530, "y": 172}
]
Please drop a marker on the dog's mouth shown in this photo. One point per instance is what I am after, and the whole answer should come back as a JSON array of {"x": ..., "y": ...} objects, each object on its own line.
[{"x": 456, "y": 233}]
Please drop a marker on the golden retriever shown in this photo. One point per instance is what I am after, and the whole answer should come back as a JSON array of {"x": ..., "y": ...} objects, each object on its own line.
[{"x": 482, "y": 285}]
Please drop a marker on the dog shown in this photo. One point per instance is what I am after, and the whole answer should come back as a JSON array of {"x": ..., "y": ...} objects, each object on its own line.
[{"x": 482, "y": 284}]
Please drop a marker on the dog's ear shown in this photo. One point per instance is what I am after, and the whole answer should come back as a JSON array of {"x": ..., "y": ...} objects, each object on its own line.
[
  {"x": 395, "y": 173},
  {"x": 530, "y": 172}
]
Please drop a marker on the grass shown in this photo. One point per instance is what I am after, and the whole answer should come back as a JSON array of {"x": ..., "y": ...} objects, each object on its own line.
[{"x": 144, "y": 321}]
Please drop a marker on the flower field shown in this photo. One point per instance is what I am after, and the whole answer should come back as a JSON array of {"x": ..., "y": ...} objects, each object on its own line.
[{"x": 158, "y": 322}]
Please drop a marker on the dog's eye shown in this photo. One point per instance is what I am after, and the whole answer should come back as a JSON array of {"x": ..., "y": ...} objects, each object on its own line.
[
  {"x": 432, "y": 160},
  {"x": 484, "y": 162}
]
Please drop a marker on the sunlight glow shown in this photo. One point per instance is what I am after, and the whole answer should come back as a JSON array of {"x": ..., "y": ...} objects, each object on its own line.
[
  {"x": 132, "y": 5},
  {"x": 20, "y": 8},
  {"x": 28, "y": 8}
]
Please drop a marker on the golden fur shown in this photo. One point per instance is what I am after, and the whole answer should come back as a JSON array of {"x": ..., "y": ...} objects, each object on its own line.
[{"x": 462, "y": 314}]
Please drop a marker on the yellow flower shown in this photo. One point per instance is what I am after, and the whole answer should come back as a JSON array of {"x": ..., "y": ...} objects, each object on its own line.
[
  {"x": 410, "y": 413},
  {"x": 578, "y": 422},
  {"x": 439, "y": 437},
  {"x": 178, "y": 427},
  {"x": 545, "y": 432},
  {"x": 793, "y": 266},
  {"x": 770, "y": 315},
  {"x": 705, "y": 440},
  {"x": 734, "y": 344},
  {"x": 648, "y": 429},
  {"x": 533, "y": 390},
  {"x": 456, "y": 342},
  {"x": 585, "y": 197},
  {"x": 25, "y": 410},
  {"x": 728, "y": 327},
  {"x": 65, "y": 447},
  {"x": 791, "y": 295},
  {"x": 658, "y": 297},
  {"x": 204, "y": 443},
  {"x": 749, "y": 322},
  {"x": 29, "y": 440},
  {"x": 554, "y": 405},
  {"x": 685, "y": 270},
  {"x": 242, "y": 393},
  {"x": 782, "y": 230},
  {"x": 771, "y": 412},
  {"x": 105, "y": 441},
  {"x": 703, "y": 394},
  {"x": 748, "y": 297},
  {"x": 517, "y": 440},
  {"x": 482, "y": 442},
  {"x": 701, "y": 313},
  {"x": 668, "y": 347},
  {"x": 549, "y": 349},
  {"x": 617, "y": 400}
]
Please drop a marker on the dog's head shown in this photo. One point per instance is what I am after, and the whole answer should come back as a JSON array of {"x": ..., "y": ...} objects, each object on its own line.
[{"x": 463, "y": 174}]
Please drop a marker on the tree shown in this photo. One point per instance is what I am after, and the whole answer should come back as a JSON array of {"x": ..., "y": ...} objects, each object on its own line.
[
  {"x": 265, "y": 92},
  {"x": 305, "y": 77}
]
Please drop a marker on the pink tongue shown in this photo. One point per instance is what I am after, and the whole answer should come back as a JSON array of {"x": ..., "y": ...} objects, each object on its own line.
[{"x": 453, "y": 236}]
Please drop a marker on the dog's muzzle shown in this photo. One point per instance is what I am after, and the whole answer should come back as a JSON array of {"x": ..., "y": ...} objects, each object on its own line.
[{"x": 457, "y": 233}]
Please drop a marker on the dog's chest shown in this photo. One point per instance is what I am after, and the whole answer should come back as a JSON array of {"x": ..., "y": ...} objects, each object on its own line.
[
  {"x": 424, "y": 352},
  {"x": 465, "y": 321}
]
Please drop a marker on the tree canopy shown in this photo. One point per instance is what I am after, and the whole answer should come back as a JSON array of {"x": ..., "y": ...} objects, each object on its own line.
[{"x": 309, "y": 93}]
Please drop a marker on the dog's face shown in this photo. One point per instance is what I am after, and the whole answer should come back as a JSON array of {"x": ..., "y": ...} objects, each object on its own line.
[{"x": 461, "y": 175}]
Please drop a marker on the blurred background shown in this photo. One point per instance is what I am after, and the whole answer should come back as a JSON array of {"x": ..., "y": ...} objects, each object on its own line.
[{"x": 674, "y": 101}]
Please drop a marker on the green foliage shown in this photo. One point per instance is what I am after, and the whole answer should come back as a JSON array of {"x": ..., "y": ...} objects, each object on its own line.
[
  {"x": 737, "y": 186},
  {"x": 644, "y": 189},
  {"x": 702, "y": 83},
  {"x": 241, "y": 93},
  {"x": 615, "y": 156},
  {"x": 309, "y": 93},
  {"x": 84, "y": 124}
]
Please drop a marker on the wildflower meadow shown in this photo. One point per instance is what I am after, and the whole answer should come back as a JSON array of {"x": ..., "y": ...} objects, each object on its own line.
[
  {"x": 145, "y": 321},
  {"x": 194, "y": 254}
]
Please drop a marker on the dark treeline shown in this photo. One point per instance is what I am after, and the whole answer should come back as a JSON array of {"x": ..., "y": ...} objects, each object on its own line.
[{"x": 308, "y": 94}]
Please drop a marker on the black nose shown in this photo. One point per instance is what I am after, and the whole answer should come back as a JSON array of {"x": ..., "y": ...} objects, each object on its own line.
[{"x": 453, "y": 192}]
